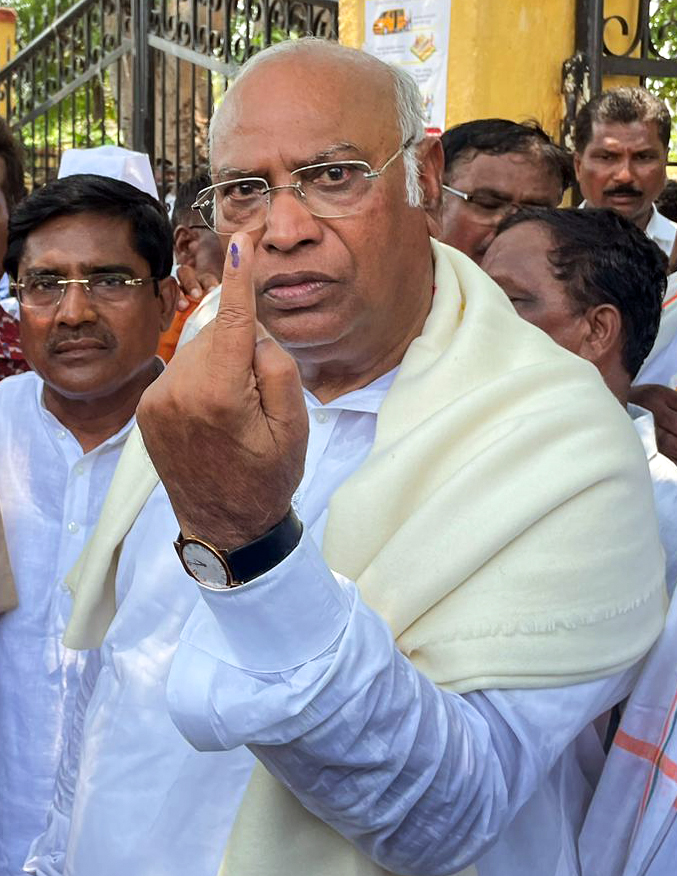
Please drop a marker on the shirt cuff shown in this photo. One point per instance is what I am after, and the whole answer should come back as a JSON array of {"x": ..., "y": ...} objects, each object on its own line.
[{"x": 284, "y": 618}]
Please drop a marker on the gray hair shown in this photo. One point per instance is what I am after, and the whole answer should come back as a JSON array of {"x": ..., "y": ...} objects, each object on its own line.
[{"x": 408, "y": 103}]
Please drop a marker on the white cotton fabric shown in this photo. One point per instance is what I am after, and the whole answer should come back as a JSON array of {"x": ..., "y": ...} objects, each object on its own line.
[
  {"x": 664, "y": 482},
  {"x": 661, "y": 230},
  {"x": 115, "y": 162},
  {"x": 133, "y": 796},
  {"x": 660, "y": 366},
  {"x": 631, "y": 826},
  {"x": 146, "y": 802},
  {"x": 50, "y": 497},
  {"x": 203, "y": 314}
]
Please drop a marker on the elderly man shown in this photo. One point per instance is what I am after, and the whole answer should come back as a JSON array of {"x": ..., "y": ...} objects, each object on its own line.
[
  {"x": 491, "y": 166},
  {"x": 423, "y": 710},
  {"x": 91, "y": 259},
  {"x": 621, "y": 140}
]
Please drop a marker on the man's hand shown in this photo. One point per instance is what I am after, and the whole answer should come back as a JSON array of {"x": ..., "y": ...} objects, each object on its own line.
[
  {"x": 662, "y": 402},
  {"x": 193, "y": 286},
  {"x": 226, "y": 424}
]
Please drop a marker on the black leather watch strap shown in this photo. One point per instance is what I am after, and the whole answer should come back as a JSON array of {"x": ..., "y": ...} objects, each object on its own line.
[
  {"x": 249, "y": 561},
  {"x": 265, "y": 552}
]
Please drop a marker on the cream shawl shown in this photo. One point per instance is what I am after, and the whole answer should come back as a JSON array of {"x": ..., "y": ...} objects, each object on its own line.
[{"x": 502, "y": 524}]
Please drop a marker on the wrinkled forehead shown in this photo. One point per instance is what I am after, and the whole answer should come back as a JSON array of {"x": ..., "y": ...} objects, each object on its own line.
[{"x": 290, "y": 109}]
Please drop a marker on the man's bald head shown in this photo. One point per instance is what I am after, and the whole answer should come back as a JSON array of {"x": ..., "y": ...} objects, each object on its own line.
[
  {"x": 320, "y": 153},
  {"x": 385, "y": 92}
]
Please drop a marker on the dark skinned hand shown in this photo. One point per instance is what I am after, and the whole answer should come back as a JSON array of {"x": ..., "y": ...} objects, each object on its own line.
[{"x": 226, "y": 423}]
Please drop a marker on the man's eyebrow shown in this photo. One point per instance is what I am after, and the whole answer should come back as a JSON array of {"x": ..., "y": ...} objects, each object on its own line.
[
  {"x": 85, "y": 270},
  {"x": 331, "y": 151},
  {"x": 323, "y": 155}
]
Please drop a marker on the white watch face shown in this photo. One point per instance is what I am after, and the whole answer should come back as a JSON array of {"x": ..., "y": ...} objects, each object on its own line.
[{"x": 206, "y": 566}]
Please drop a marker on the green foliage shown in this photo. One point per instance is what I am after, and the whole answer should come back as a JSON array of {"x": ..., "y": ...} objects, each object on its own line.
[{"x": 664, "y": 36}]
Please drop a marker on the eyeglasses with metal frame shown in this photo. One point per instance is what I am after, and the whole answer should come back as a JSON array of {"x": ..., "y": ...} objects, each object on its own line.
[
  {"x": 487, "y": 208},
  {"x": 47, "y": 290},
  {"x": 328, "y": 190}
]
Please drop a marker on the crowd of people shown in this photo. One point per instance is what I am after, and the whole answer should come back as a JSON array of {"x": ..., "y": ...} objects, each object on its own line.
[{"x": 340, "y": 507}]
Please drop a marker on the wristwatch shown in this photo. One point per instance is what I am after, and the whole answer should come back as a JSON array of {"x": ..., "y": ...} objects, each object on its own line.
[{"x": 218, "y": 569}]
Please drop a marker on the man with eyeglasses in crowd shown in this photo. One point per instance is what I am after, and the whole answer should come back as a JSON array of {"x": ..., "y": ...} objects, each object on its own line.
[
  {"x": 90, "y": 258},
  {"x": 428, "y": 405},
  {"x": 492, "y": 166}
]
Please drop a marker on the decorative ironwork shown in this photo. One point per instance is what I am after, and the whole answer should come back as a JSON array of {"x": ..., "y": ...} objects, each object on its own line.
[
  {"x": 141, "y": 73},
  {"x": 614, "y": 45}
]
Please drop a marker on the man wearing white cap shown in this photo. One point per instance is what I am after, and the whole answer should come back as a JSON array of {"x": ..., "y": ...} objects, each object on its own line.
[
  {"x": 91, "y": 258},
  {"x": 114, "y": 162}
]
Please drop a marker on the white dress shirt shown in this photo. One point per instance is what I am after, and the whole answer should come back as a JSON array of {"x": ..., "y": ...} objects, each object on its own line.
[
  {"x": 422, "y": 780},
  {"x": 132, "y": 796},
  {"x": 664, "y": 480},
  {"x": 661, "y": 230},
  {"x": 50, "y": 494}
]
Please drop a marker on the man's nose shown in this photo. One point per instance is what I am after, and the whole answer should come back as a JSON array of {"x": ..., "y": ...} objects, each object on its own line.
[
  {"x": 289, "y": 223},
  {"x": 75, "y": 306},
  {"x": 623, "y": 171}
]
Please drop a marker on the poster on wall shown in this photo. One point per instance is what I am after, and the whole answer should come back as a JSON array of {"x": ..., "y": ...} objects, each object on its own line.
[{"x": 414, "y": 34}]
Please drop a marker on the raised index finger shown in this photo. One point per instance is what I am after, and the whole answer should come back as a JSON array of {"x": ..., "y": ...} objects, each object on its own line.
[{"x": 234, "y": 333}]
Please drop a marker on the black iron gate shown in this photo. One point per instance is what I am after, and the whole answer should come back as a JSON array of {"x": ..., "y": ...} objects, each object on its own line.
[
  {"x": 643, "y": 53},
  {"x": 143, "y": 74}
]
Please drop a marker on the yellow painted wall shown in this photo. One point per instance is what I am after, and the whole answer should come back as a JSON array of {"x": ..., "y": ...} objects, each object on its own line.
[
  {"x": 505, "y": 56},
  {"x": 7, "y": 35}
]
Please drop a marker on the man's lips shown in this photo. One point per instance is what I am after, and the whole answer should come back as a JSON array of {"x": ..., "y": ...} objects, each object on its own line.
[
  {"x": 301, "y": 289},
  {"x": 79, "y": 345}
]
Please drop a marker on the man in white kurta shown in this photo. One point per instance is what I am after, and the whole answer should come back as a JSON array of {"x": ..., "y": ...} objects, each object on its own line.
[
  {"x": 62, "y": 430},
  {"x": 428, "y": 709}
]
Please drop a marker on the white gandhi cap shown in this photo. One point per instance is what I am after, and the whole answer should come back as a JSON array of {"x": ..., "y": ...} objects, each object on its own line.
[{"x": 111, "y": 161}]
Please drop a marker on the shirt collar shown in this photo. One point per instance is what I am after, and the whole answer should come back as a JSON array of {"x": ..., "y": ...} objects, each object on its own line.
[
  {"x": 368, "y": 399},
  {"x": 53, "y": 425},
  {"x": 660, "y": 228},
  {"x": 643, "y": 422}
]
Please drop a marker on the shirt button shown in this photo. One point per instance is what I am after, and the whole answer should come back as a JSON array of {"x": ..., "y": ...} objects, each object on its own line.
[
  {"x": 60, "y": 434},
  {"x": 321, "y": 416},
  {"x": 72, "y": 527},
  {"x": 79, "y": 469}
]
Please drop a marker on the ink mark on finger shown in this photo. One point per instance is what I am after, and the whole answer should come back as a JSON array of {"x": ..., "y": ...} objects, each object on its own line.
[{"x": 235, "y": 255}]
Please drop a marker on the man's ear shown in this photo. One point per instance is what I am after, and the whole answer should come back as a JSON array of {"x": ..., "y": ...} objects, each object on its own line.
[
  {"x": 577, "y": 165},
  {"x": 183, "y": 249},
  {"x": 604, "y": 336},
  {"x": 168, "y": 298},
  {"x": 431, "y": 167}
]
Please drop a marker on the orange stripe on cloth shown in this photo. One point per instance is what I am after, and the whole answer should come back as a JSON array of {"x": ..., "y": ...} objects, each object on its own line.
[{"x": 647, "y": 751}]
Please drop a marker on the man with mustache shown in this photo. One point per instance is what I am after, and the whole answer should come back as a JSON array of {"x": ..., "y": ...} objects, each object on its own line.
[
  {"x": 621, "y": 152},
  {"x": 90, "y": 258}
]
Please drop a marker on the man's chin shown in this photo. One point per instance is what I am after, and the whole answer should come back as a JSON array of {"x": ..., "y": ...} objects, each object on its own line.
[
  {"x": 302, "y": 337},
  {"x": 632, "y": 209}
]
